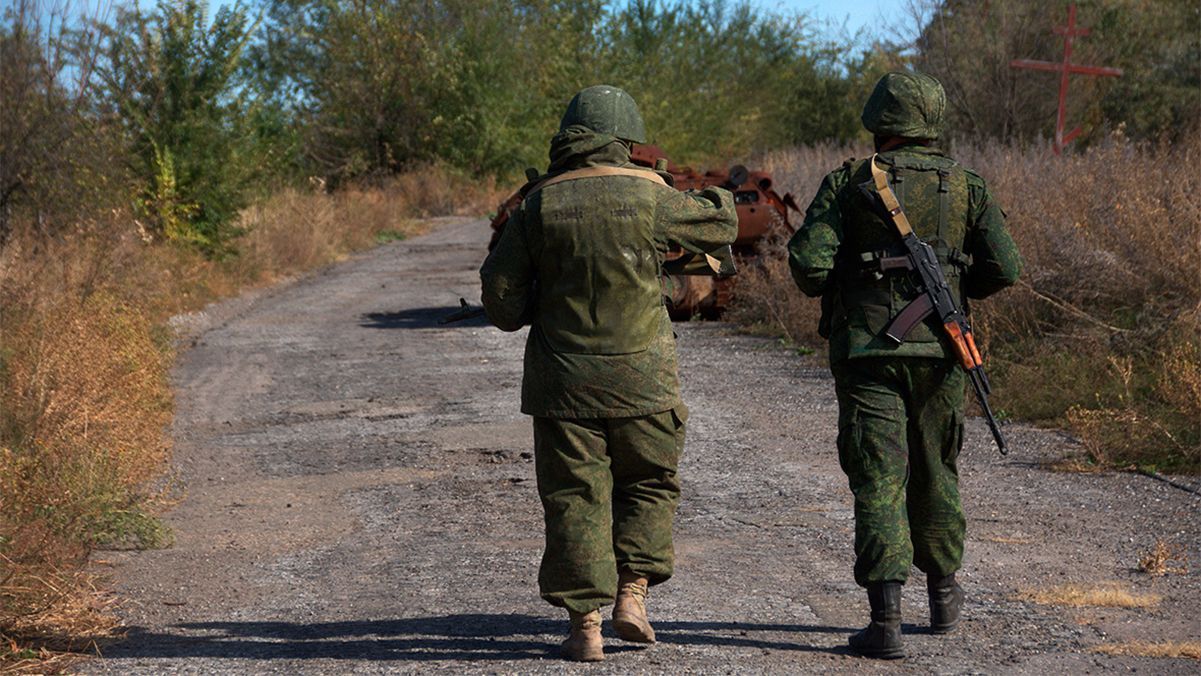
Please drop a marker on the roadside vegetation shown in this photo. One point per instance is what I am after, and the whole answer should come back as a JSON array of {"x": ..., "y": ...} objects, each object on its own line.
[{"x": 155, "y": 158}]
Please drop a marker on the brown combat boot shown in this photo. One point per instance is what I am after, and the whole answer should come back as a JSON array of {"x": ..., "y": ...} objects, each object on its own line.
[
  {"x": 629, "y": 613},
  {"x": 584, "y": 644}
]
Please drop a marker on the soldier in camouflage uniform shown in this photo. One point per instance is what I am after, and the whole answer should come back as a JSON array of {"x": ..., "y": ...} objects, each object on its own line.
[
  {"x": 901, "y": 407},
  {"x": 579, "y": 262}
]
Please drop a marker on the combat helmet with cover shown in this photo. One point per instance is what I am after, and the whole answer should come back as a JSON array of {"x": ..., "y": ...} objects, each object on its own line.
[
  {"x": 608, "y": 110},
  {"x": 911, "y": 105}
]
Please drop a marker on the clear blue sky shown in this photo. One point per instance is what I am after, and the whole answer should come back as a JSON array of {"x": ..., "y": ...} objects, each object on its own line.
[{"x": 873, "y": 15}]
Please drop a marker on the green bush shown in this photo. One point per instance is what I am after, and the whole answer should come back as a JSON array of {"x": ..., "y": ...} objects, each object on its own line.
[{"x": 171, "y": 78}]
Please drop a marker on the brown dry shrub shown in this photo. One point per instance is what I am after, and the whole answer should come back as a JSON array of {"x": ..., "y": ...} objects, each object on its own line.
[
  {"x": 439, "y": 190},
  {"x": 296, "y": 230},
  {"x": 1163, "y": 558},
  {"x": 87, "y": 371},
  {"x": 84, "y": 402},
  {"x": 1103, "y": 332},
  {"x": 66, "y": 612}
]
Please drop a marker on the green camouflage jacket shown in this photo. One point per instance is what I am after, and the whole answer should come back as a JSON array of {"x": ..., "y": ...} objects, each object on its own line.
[
  {"x": 579, "y": 261},
  {"x": 949, "y": 207}
]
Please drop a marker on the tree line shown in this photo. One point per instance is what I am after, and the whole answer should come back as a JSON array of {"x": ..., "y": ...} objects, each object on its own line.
[{"x": 184, "y": 116}]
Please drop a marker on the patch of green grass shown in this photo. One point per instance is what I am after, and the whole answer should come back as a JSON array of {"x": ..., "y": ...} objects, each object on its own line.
[
  {"x": 385, "y": 236},
  {"x": 760, "y": 329},
  {"x": 18, "y": 655},
  {"x": 131, "y": 528},
  {"x": 800, "y": 350}
]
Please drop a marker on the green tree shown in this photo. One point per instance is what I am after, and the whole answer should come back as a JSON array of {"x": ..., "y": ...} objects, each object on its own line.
[
  {"x": 713, "y": 79},
  {"x": 171, "y": 78},
  {"x": 56, "y": 157},
  {"x": 968, "y": 45},
  {"x": 378, "y": 85},
  {"x": 1157, "y": 44}
]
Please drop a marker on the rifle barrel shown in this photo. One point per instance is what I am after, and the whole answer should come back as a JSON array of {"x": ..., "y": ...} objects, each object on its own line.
[{"x": 978, "y": 379}]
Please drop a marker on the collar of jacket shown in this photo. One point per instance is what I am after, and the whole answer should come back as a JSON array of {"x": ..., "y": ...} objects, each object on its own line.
[
  {"x": 911, "y": 148},
  {"x": 577, "y": 147}
]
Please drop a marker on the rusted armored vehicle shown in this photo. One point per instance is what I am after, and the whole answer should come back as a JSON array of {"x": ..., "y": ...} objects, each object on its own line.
[{"x": 704, "y": 291}]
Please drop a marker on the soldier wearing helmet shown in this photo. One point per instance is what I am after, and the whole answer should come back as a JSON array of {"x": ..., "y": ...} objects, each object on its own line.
[
  {"x": 901, "y": 406},
  {"x": 579, "y": 262}
]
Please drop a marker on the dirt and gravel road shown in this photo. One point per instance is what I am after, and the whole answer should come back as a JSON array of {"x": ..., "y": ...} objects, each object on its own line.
[{"x": 360, "y": 498}]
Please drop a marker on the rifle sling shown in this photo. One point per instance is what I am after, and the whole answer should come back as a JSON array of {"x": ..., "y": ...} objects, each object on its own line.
[
  {"x": 922, "y": 306},
  {"x": 891, "y": 204},
  {"x": 592, "y": 172}
]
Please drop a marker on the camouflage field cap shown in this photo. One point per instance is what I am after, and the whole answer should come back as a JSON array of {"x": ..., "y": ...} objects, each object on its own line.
[
  {"x": 906, "y": 104},
  {"x": 608, "y": 110}
]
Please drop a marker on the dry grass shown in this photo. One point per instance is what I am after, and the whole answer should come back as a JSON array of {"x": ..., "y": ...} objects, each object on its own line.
[
  {"x": 1108, "y": 595},
  {"x": 1103, "y": 333},
  {"x": 71, "y": 616},
  {"x": 297, "y": 230},
  {"x": 1162, "y": 559},
  {"x": 84, "y": 392},
  {"x": 764, "y": 304},
  {"x": 1160, "y": 649},
  {"x": 1009, "y": 540},
  {"x": 1073, "y": 464},
  {"x": 766, "y": 301}
]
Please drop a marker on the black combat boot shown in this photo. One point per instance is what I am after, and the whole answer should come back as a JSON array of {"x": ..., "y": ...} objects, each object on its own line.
[
  {"x": 946, "y": 603},
  {"x": 881, "y": 638}
]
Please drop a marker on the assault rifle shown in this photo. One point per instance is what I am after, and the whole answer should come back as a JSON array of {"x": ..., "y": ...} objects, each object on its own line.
[
  {"x": 465, "y": 311},
  {"x": 935, "y": 298}
]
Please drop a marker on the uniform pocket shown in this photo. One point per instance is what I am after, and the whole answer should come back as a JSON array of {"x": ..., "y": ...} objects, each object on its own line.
[
  {"x": 850, "y": 434},
  {"x": 954, "y": 442},
  {"x": 679, "y": 416},
  {"x": 876, "y": 318}
]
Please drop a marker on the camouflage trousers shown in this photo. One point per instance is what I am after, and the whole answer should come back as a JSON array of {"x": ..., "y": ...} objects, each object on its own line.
[
  {"x": 900, "y": 428},
  {"x": 609, "y": 493}
]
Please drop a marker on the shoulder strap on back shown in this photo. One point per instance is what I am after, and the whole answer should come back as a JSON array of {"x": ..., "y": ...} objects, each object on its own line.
[
  {"x": 943, "y": 189},
  {"x": 592, "y": 172}
]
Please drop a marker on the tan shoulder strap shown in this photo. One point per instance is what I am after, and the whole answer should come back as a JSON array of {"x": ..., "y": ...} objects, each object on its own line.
[
  {"x": 891, "y": 203},
  {"x": 591, "y": 172}
]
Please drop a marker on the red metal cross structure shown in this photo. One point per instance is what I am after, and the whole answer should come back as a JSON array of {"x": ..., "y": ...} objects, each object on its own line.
[{"x": 1065, "y": 69}]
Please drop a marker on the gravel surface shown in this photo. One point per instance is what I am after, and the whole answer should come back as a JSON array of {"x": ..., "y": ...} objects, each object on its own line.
[{"x": 360, "y": 498}]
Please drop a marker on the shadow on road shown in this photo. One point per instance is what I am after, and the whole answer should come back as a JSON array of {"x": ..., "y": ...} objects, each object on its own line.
[
  {"x": 419, "y": 318},
  {"x": 470, "y": 637},
  {"x": 694, "y": 633}
]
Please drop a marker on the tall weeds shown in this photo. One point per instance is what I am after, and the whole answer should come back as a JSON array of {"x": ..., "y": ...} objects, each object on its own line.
[{"x": 1103, "y": 333}]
